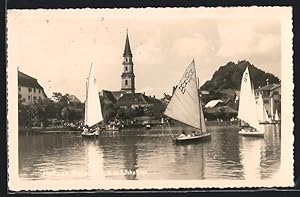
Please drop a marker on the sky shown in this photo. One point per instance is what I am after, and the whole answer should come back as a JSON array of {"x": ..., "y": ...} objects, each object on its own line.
[{"x": 57, "y": 47}]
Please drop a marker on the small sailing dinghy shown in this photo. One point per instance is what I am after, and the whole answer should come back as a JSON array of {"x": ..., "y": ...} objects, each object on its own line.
[
  {"x": 185, "y": 107},
  {"x": 276, "y": 117},
  {"x": 248, "y": 112},
  {"x": 93, "y": 112},
  {"x": 262, "y": 112}
]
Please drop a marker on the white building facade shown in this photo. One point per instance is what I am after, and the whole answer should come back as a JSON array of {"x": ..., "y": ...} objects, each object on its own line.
[{"x": 29, "y": 90}]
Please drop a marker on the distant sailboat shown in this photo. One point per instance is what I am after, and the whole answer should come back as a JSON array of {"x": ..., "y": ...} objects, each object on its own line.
[
  {"x": 247, "y": 108},
  {"x": 93, "y": 114},
  {"x": 276, "y": 117},
  {"x": 261, "y": 110},
  {"x": 185, "y": 106}
]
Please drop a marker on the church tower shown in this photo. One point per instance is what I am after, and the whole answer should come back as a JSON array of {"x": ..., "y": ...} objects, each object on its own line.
[{"x": 127, "y": 76}]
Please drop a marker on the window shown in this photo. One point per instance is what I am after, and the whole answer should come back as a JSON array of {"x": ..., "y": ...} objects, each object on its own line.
[
  {"x": 19, "y": 88},
  {"x": 29, "y": 90},
  {"x": 34, "y": 97},
  {"x": 126, "y": 82},
  {"x": 34, "y": 90},
  {"x": 266, "y": 101},
  {"x": 126, "y": 68},
  {"x": 39, "y": 90},
  {"x": 20, "y": 96},
  {"x": 40, "y": 98},
  {"x": 28, "y": 97}
]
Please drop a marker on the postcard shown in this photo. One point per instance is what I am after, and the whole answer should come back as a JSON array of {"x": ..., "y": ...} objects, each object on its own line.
[{"x": 150, "y": 98}]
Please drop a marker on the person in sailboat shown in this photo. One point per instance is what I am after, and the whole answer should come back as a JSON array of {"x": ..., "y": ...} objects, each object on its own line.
[
  {"x": 193, "y": 133},
  {"x": 96, "y": 130},
  {"x": 85, "y": 129},
  {"x": 182, "y": 134}
]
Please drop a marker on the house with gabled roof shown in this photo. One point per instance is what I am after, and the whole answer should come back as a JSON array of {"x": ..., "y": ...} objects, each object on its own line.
[{"x": 29, "y": 90}]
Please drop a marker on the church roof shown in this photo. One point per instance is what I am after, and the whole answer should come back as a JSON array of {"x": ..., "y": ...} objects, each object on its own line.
[
  {"x": 132, "y": 98},
  {"x": 127, "y": 50},
  {"x": 109, "y": 96}
]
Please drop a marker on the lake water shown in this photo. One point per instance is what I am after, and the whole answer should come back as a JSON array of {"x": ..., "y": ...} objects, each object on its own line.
[{"x": 149, "y": 155}]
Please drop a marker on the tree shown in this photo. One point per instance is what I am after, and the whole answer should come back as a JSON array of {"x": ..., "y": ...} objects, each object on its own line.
[{"x": 24, "y": 115}]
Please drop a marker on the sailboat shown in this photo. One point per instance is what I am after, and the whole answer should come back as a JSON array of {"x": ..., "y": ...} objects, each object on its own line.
[
  {"x": 276, "y": 117},
  {"x": 262, "y": 112},
  {"x": 248, "y": 112},
  {"x": 185, "y": 107},
  {"x": 93, "y": 112}
]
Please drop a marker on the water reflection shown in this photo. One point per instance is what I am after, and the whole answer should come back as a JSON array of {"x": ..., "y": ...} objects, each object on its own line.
[
  {"x": 224, "y": 156},
  {"x": 251, "y": 148},
  {"x": 140, "y": 155},
  {"x": 45, "y": 156},
  {"x": 261, "y": 156},
  {"x": 190, "y": 161},
  {"x": 270, "y": 152},
  {"x": 94, "y": 159}
]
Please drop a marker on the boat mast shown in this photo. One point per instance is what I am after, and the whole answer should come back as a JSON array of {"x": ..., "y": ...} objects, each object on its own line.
[
  {"x": 86, "y": 103},
  {"x": 199, "y": 100}
]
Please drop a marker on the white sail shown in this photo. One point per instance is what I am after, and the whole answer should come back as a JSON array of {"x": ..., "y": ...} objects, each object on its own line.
[
  {"x": 92, "y": 103},
  {"x": 276, "y": 115},
  {"x": 272, "y": 109},
  {"x": 261, "y": 110},
  {"x": 247, "y": 106},
  {"x": 184, "y": 104}
]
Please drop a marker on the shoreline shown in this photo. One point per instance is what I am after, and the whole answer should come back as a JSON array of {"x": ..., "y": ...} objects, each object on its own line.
[{"x": 156, "y": 128}]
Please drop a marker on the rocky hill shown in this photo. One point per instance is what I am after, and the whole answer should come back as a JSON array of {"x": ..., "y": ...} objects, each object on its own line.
[{"x": 229, "y": 77}]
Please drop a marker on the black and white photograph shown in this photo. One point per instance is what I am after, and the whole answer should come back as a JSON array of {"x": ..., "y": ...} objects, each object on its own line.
[{"x": 150, "y": 98}]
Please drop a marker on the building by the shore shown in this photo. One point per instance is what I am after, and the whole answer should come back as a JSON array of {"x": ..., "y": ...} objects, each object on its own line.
[
  {"x": 271, "y": 94},
  {"x": 29, "y": 90}
]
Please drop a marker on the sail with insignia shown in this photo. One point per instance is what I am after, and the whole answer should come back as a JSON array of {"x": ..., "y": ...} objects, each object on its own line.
[
  {"x": 184, "y": 105},
  {"x": 247, "y": 107}
]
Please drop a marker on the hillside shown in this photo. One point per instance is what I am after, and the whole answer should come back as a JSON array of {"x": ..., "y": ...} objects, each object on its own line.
[{"x": 229, "y": 77}]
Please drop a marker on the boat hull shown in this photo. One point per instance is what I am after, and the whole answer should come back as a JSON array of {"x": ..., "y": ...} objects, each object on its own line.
[
  {"x": 94, "y": 134},
  {"x": 251, "y": 133},
  {"x": 192, "y": 139}
]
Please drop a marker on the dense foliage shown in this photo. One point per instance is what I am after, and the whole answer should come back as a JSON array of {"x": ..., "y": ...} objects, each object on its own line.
[
  {"x": 229, "y": 76},
  {"x": 47, "y": 112}
]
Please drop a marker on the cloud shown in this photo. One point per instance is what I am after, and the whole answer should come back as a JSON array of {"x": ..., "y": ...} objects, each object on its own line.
[
  {"x": 256, "y": 41},
  {"x": 191, "y": 46},
  {"x": 162, "y": 47},
  {"x": 241, "y": 39}
]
